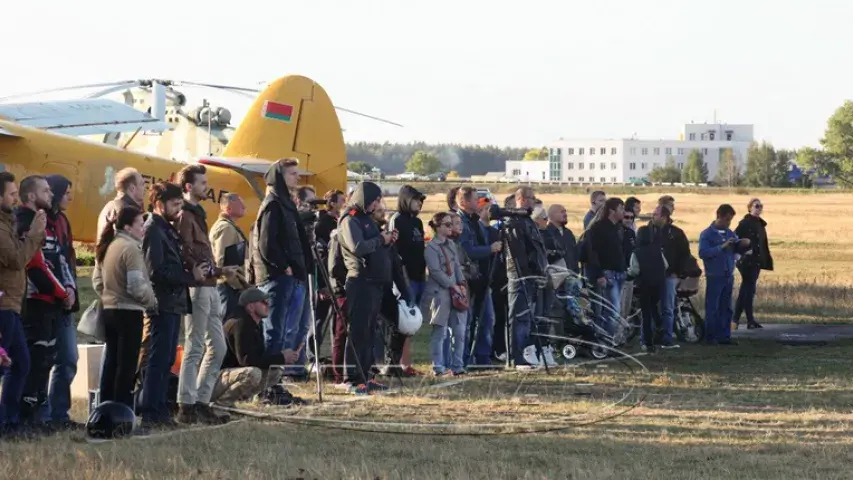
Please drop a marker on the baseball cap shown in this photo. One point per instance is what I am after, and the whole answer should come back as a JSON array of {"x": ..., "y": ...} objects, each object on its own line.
[{"x": 252, "y": 295}]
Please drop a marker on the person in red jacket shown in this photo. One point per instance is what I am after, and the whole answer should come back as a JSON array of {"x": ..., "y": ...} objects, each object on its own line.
[{"x": 50, "y": 291}]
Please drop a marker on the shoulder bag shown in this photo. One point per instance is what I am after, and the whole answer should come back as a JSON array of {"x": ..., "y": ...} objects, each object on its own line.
[{"x": 459, "y": 300}]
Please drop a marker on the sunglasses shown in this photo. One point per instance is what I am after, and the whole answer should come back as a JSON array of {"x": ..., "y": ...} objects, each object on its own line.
[
  {"x": 630, "y": 219},
  {"x": 758, "y": 206},
  {"x": 447, "y": 224}
]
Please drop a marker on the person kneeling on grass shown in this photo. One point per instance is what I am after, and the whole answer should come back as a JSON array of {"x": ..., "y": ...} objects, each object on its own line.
[{"x": 247, "y": 369}]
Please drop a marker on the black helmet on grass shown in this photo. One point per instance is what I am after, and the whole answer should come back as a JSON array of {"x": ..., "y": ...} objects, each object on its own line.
[{"x": 111, "y": 420}]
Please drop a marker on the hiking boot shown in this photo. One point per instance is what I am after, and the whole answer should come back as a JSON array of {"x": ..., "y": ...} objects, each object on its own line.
[
  {"x": 187, "y": 414},
  {"x": 207, "y": 415}
]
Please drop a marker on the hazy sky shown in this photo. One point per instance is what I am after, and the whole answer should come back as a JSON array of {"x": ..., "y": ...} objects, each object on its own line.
[{"x": 498, "y": 72}]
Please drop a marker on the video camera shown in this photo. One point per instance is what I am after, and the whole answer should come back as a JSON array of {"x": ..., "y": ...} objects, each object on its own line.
[{"x": 498, "y": 212}]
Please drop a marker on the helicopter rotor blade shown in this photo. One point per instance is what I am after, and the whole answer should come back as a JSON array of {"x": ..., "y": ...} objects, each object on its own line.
[
  {"x": 61, "y": 89},
  {"x": 221, "y": 87},
  {"x": 117, "y": 88},
  {"x": 367, "y": 116}
]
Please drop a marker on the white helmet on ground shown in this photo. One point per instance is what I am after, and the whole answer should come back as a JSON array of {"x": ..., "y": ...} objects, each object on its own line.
[{"x": 410, "y": 318}]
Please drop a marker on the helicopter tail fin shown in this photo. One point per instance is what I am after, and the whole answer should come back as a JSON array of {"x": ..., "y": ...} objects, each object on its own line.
[{"x": 294, "y": 117}]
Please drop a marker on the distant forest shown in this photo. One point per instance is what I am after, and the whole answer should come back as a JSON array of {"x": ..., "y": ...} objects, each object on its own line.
[{"x": 467, "y": 160}]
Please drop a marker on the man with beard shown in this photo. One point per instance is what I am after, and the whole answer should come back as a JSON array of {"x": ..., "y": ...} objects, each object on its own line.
[
  {"x": 281, "y": 260},
  {"x": 411, "y": 246},
  {"x": 596, "y": 200},
  {"x": 557, "y": 221},
  {"x": 161, "y": 244},
  {"x": 50, "y": 289},
  {"x": 365, "y": 251},
  {"x": 65, "y": 364},
  {"x": 204, "y": 343},
  {"x": 15, "y": 254},
  {"x": 130, "y": 192}
]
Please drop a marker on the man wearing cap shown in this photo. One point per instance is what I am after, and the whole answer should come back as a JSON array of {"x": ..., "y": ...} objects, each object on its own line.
[{"x": 246, "y": 370}]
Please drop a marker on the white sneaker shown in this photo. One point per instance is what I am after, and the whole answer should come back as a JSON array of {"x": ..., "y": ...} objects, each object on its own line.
[
  {"x": 530, "y": 355},
  {"x": 548, "y": 353}
]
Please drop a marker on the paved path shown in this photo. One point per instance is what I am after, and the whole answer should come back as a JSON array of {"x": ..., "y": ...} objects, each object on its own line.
[{"x": 797, "y": 332}]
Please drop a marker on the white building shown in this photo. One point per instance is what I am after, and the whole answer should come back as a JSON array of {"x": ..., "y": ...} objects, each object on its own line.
[{"x": 631, "y": 160}]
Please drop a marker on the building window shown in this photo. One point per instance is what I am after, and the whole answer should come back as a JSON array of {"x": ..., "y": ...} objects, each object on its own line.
[
  {"x": 643, "y": 166},
  {"x": 711, "y": 134},
  {"x": 603, "y": 151},
  {"x": 681, "y": 166},
  {"x": 668, "y": 151},
  {"x": 632, "y": 166},
  {"x": 591, "y": 166},
  {"x": 570, "y": 179},
  {"x": 570, "y": 166},
  {"x": 580, "y": 166},
  {"x": 645, "y": 151},
  {"x": 633, "y": 150},
  {"x": 728, "y": 135},
  {"x": 704, "y": 151},
  {"x": 613, "y": 165},
  {"x": 580, "y": 151},
  {"x": 613, "y": 179},
  {"x": 692, "y": 136},
  {"x": 657, "y": 151},
  {"x": 702, "y": 136},
  {"x": 603, "y": 179},
  {"x": 580, "y": 179},
  {"x": 681, "y": 151},
  {"x": 657, "y": 165},
  {"x": 613, "y": 151},
  {"x": 516, "y": 172},
  {"x": 592, "y": 151},
  {"x": 570, "y": 151},
  {"x": 603, "y": 166},
  {"x": 555, "y": 163}
]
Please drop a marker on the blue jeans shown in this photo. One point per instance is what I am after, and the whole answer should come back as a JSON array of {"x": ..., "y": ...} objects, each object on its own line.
[
  {"x": 63, "y": 371},
  {"x": 718, "y": 308},
  {"x": 14, "y": 377},
  {"x": 162, "y": 349},
  {"x": 485, "y": 331},
  {"x": 667, "y": 309},
  {"x": 444, "y": 358},
  {"x": 610, "y": 319},
  {"x": 286, "y": 326},
  {"x": 417, "y": 289},
  {"x": 523, "y": 308}
]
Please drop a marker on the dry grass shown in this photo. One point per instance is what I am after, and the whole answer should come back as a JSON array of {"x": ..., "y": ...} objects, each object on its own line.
[
  {"x": 812, "y": 281},
  {"x": 759, "y": 410}
]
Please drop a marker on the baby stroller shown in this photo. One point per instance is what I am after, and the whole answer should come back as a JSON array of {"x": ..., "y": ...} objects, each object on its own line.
[
  {"x": 571, "y": 312},
  {"x": 688, "y": 325}
]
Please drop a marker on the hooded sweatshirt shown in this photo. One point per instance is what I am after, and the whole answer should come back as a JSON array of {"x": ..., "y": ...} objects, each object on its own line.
[
  {"x": 60, "y": 224},
  {"x": 278, "y": 237},
  {"x": 410, "y": 242},
  {"x": 364, "y": 251}
]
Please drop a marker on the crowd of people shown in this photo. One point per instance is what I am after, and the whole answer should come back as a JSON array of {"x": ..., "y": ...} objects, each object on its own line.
[{"x": 241, "y": 303}]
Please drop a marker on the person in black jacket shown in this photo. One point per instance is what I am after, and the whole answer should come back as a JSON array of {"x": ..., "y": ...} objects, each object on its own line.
[
  {"x": 161, "y": 245},
  {"x": 526, "y": 260},
  {"x": 410, "y": 245},
  {"x": 629, "y": 241},
  {"x": 246, "y": 370},
  {"x": 327, "y": 222},
  {"x": 605, "y": 265},
  {"x": 557, "y": 221},
  {"x": 676, "y": 249},
  {"x": 365, "y": 253},
  {"x": 648, "y": 268},
  {"x": 753, "y": 262},
  {"x": 281, "y": 261}
]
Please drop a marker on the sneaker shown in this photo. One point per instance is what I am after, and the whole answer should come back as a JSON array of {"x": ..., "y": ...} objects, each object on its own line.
[
  {"x": 753, "y": 325},
  {"x": 501, "y": 357},
  {"x": 548, "y": 353},
  {"x": 439, "y": 373},
  {"x": 342, "y": 386},
  {"x": 525, "y": 367},
  {"x": 650, "y": 349},
  {"x": 530, "y": 355},
  {"x": 459, "y": 373},
  {"x": 374, "y": 386},
  {"x": 410, "y": 371},
  {"x": 669, "y": 346},
  {"x": 187, "y": 414},
  {"x": 360, "y": 389}
]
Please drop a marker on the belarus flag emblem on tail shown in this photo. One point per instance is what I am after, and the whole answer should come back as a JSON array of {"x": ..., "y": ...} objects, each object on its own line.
[{"x": 277, "y": 111}]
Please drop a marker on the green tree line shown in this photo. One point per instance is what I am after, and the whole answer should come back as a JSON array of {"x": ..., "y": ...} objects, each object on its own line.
[{"x": 467, "y": 160}]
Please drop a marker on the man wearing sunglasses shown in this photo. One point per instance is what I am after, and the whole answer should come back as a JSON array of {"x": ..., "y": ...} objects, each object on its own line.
[{"x": 247, "y": 369}]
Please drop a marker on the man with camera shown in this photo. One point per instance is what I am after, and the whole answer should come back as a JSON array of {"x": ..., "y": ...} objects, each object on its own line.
[
  {"x": 526, "y": 261},
  {"x": 475, "y": 242},
  {"x": 281, "y": 260},
  {"x": 365, "y": 252},
  {"x": 230, "y": 250}
]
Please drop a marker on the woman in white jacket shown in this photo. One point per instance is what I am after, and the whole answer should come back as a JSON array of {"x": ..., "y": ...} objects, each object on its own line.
[
  {"x": 121, "y": 281},
  {"x": 443, "y": 276}
]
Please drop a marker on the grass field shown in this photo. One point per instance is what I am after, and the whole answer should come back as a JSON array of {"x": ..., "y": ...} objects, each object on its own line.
[{"x": 756, "y": 410}]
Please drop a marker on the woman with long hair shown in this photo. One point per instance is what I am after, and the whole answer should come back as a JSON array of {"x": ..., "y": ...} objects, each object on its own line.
[
  {"x": 444, "y": 278},
  {"x": 757, "y": 259},
  {"x": 121, "y": 281}
]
